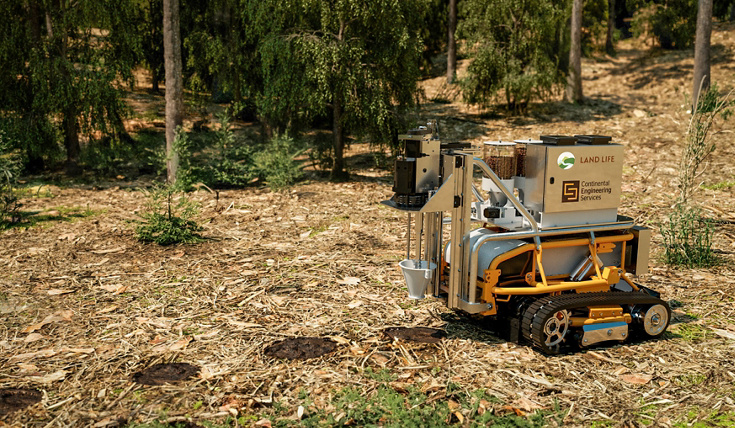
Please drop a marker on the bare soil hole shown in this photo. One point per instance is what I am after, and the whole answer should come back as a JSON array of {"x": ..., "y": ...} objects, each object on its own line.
[
  {"x": 160, "y": 374},
  {"x": 416, "y": 334},
  {"x": 301, "y": 348},
  {"x": 12, "y": 399}
]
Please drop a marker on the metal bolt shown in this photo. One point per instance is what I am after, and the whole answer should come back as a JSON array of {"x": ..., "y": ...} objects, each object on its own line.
[{"x": 609, "y": 332}]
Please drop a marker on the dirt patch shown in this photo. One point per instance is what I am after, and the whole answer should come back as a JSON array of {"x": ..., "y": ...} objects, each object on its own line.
[
  {"x": 416, "y": 334},
  {"x": 161, "y": 374},
  {"x": 301, "y": 348},
  {"x": 12, "y": 399}
]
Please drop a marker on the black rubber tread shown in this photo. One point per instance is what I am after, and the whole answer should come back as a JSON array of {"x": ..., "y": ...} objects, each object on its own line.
[{"x": 540, "y": 310}]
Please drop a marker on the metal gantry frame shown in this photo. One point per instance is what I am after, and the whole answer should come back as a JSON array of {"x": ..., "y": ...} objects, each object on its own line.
[{"x": 456, "y": 196}]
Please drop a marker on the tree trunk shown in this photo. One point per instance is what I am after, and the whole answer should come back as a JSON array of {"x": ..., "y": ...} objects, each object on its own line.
[
  {"x": 701, "y": 50},
  {"x": 574, "y": 80},
  {"x": 609, "y": 43},
  {"x": 338, "y": 169},
  {"x": 155, "y": 80},
  {"x": 71, "y": 140},
  {"x": 174, "y": 83},
  {"x": 452, "y": 43}
]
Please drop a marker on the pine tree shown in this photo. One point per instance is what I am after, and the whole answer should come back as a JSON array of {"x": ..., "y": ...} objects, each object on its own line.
[
  {"x": 355, "y": 62},
  {"x": 518, "y": 49},
  {"x": 64, "y": 60}
]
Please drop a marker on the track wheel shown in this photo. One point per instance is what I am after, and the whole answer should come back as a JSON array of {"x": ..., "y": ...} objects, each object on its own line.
[
  {"x": 550, "y": 331},
  {"x": 653, "y": 319}
]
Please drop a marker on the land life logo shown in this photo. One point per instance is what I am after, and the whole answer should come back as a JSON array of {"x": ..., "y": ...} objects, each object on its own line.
[
  {"x": 565, "y": 160},
  {"x": 570, "y": 191}
]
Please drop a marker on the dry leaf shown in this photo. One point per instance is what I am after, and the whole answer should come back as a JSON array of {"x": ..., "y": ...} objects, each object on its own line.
[
  {"x": 99, "y": 263},
  {"x": 77, "y": 350},
  {"x": 263, "y": 423},
  {"x": 28, "y": 367},
  {"x": 31, "y": 355},
  {"x": 180, "y": 344},
  {"x": 348, "y": 280},
  {"x": 243, "y": 324},
  {"x": 115, "y": 288},
  {"x": 111, "y": 250},
  {"x": 67, "y": 236},
  {"x": 106, "y": 310},
  {"x": 638, "y": 379},
  {"x": 176, "y": 346},
  {"x": 58, "y": 292},
  {"x": 209, "y": 335},
  {"x": 155, "y": 322},
  {"x": 453, "y": 405},
  {"x": 33, "y": 337},
  {"x": 340, "y": 339},
  {"x": 724, "y": 333},
  {"x": 355, "y": 303},
  {"x": 527, "y": 405},
  {"x": 52, "y": 377},
  {"x": 65, "y": 315}
]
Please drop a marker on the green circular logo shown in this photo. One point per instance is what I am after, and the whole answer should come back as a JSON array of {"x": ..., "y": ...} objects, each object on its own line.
[{"x": 565, "y": 160}]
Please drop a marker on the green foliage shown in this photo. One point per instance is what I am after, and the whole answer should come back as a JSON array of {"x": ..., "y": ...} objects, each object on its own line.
[
  {"x": 168, "y": 218},
  {"x": 224, "y": 159},
  {"x": 672, "y": 22},
  {"x": 519, "y": 48},
  {"x": 220, "y": 48},
  {"x": 688, "y": 238},
  {"x": 9, "y": 167},
  {"x": 699, "y": 145},
  {"x": 68, "y": 68},
  {"x": 226, "y": 162},
  {"x": 594, "y": 23},
  {"x": 389, "y": 408},
  {"x": 354, "y": 62},
  {"x": 275, "y": 164},
  {"x": 112, "y": 157}
]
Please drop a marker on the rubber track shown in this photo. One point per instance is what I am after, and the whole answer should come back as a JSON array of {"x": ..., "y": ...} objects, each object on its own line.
[{"x": 532, "y": 325}]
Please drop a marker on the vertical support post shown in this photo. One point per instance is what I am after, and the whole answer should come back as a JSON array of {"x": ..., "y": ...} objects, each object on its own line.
[
  {"x": 408, "y": 238},
  {"x": 433, "y": 246},
  {"x": 460, "y": 226},
  {"x": 419, "y": 235}
]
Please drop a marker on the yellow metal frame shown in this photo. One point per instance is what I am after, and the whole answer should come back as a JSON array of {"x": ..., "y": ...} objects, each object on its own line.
[{"x": 604, "y": 277}]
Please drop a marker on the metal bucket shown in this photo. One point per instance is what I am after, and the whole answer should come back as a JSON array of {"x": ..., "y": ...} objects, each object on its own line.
[{"x": 418, "y": 274}]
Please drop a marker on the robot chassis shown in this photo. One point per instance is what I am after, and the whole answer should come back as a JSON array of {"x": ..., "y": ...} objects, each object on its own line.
[{"x": 541, "y": 249}]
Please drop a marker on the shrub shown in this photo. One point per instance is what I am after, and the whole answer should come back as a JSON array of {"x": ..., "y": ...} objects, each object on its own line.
[
  {"x": 168, "y": 218},
  {"x": 218, "y": 159},
  {"x": 688, "y": 238},
  {"x": 673, "y": 23},
  {"x": 276, "y": 164},
  {"x": 699, "y": 146},
  {"x": 687, "y": 235}
]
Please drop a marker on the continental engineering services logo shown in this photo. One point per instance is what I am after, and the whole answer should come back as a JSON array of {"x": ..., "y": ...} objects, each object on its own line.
[
  {"x": 570, "y": 191},
  {"x": 565, "y": 160}
]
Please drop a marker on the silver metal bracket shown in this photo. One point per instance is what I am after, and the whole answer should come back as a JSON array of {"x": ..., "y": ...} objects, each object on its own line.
[
  {"x": 473, "y": 308},
  {"x": 596, "y": 333}
]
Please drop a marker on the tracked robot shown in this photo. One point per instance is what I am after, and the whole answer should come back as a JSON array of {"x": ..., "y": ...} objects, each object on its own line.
[{"x": 539, "y": 247}]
